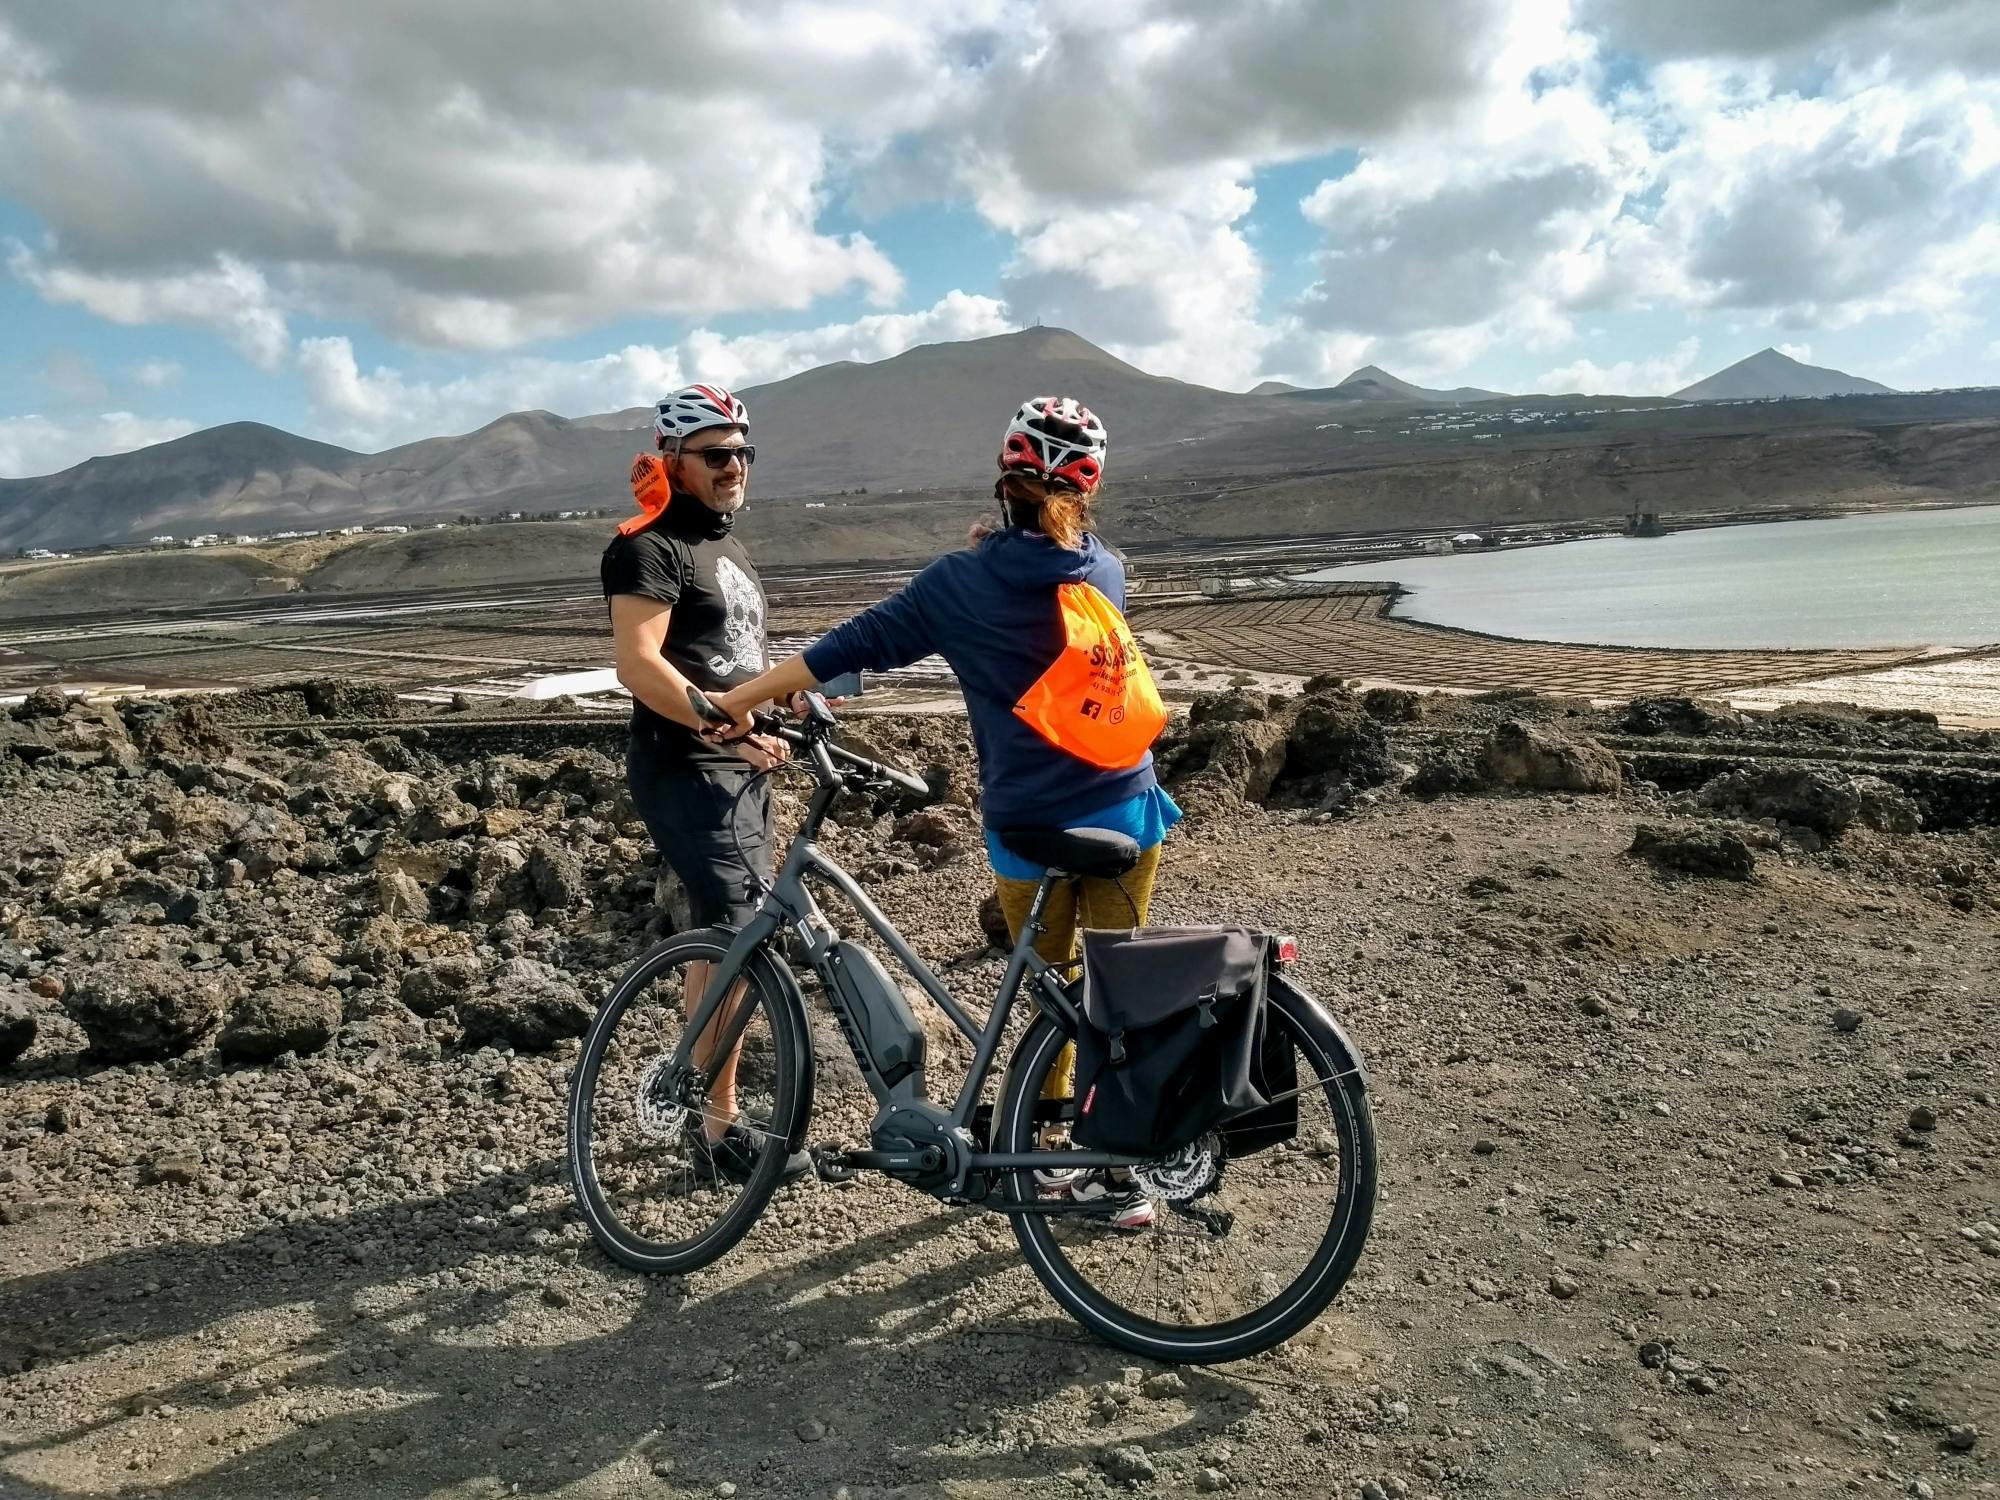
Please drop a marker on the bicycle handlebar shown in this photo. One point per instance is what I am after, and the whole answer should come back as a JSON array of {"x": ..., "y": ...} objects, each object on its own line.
[{"x": 806, "y": 739}]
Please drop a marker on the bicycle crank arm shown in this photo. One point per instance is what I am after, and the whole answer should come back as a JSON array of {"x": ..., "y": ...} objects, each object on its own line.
[
  {"x": 1014, "y": 1161},
  {"x": 930, "y": 1159},
  {"x": 1101, "y": 1210}
]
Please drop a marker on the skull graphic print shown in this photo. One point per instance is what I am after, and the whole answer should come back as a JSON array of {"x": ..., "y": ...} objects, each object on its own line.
[{"x": 743, "y": 626}]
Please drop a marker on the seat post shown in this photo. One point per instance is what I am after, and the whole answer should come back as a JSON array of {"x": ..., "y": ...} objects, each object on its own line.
[{"x": 1040, "y": 904}]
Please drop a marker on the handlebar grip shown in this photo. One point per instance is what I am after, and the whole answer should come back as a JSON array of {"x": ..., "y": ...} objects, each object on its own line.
[
  {"x": 762, "y": 723},
  {"x": 707, "y": 712},
  {"x": 776, "y": 726}
]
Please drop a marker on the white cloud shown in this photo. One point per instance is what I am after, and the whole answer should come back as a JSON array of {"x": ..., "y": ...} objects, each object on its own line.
[
  {"x": 1800, "y": 352},
  {"x": 1866, "y": 200},
  {"x": 481, "y": 184},
  {"x": 1660, "y": 376},
  {"x": 379, "y": 408},
  {"x": 1707, "y": 187},
  {"x": 44, "y": 445},
  {"x": 1172, "y": 287},
  {"x": 233, "y": 299},
  {"x": 158, "y": 374},
  {"x": 457, "y": 180},
  {"x": 675, "y": 161}
]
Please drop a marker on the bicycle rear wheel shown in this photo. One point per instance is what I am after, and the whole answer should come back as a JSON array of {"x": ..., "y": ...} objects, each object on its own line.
[
  {"x": 1254, "y": 1259},
  {"x": 652, "y": 1196}
]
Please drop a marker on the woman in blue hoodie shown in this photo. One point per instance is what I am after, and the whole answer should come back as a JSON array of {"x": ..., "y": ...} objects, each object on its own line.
[{"x": 991, "y": 612}]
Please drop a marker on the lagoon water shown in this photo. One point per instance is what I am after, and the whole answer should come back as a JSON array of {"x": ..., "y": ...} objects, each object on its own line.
[{"x": 1902, "y": 579}]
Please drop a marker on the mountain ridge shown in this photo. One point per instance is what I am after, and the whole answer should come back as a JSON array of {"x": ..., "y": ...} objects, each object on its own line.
[{"x": 929, "y": 418}]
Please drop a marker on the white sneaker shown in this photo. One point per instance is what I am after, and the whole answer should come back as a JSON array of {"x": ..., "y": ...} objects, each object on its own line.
[{"x": 1096, "y": 1187}]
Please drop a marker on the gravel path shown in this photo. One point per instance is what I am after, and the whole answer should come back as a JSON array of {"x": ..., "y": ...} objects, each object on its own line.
[{"x": 1657, "y": 1218}]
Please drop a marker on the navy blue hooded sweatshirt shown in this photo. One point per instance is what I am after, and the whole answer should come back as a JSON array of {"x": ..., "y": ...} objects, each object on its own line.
[{"x": 990, "y": 611}]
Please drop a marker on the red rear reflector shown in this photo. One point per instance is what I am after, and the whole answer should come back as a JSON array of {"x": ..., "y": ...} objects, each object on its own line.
[{"x": 1288, "y": 950}]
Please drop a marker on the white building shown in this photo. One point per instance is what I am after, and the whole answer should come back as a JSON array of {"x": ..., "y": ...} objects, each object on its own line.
[{"x": 391, "y": 530}]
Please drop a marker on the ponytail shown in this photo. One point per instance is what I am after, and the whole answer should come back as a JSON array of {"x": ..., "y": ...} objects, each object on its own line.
[{"x": 1059, "y": 513}]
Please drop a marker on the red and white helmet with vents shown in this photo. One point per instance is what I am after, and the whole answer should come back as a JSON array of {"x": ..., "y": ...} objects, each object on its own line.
[
  {"x": 1057, "y": 438},
  {"x": 692, "y": 408}
]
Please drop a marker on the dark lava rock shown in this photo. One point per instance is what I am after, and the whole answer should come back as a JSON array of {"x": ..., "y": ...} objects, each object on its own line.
[
  {"x": 1545, "y": 759},
  {"x": 429, "y": 987},
  {"x": 528, "y": 1005},
  {"x": 339, "y": 698},
  {"x": 18, "y": 1025},
  {"x": 1332, "y": 738},
  {"x": 1219, "y": 765},
  {"x": 1827, "y": 802},
  {"x": 557, "y": 876},
  {"x": 1681, "y": 716},
  {"x": 1392, "y": 705},
  {"x": 202, "y": 821},
  {"x": 284, "y": 1018},
  {"x": 670, "y": 895},
  {"x": 1886, "y": 808},
  {"x": 1444, "y": 772},
  {"x": 930, "y": 828},
  {"x": 993, "y": 923},
  {"x": 45, "y": 702},
  {"x": 142, "y": 1010},
  {"x": 1706, "y": 851},
  {"x": 1233, "y": 707}
]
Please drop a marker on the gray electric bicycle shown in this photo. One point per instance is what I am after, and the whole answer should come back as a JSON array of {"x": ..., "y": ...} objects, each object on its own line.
[{"x": 1242, "y": 1252}]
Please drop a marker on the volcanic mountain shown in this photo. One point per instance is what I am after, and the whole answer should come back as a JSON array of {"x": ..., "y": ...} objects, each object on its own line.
[
  {"x": 930, "y": 417},
  {"x": 1767, "y": 374}
]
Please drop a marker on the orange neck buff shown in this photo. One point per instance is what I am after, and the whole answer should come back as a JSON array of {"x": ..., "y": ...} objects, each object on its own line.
[{"x": 651, "y": 491}]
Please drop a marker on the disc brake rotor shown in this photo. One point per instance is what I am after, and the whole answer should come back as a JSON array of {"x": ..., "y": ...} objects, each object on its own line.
[{"x": 658, "y": 1115}]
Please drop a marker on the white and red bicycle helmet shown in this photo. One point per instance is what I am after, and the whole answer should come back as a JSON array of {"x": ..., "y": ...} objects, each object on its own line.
[
  {"x": 1057, "y": 438},
  {"x": 691, "y": 409}
]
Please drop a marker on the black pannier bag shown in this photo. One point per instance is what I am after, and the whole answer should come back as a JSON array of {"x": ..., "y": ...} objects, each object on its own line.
[{"x": 1174, "y": 1043}]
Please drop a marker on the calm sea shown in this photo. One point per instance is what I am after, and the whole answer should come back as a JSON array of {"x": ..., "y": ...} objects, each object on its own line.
[{"x": 1919, "y": 578}]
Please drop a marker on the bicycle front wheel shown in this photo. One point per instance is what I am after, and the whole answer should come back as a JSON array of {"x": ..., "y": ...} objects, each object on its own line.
[
  {"x": 655, "y": 1196},
  {"x": 1255, "y": 1258}
]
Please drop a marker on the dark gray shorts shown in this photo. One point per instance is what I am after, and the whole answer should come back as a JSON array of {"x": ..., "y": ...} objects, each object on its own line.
[{"x": 711, "y": 824}]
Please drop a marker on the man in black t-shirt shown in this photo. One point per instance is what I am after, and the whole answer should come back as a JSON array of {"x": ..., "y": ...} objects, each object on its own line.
[{"x": 687, "y": 609}]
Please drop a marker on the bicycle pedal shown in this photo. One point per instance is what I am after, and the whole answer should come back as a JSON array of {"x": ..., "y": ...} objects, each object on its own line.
[{"x": 831, "y": 1165}]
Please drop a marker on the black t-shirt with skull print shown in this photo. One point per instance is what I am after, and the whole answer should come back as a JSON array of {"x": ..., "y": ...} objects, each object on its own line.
[{"x": 715, "y": 635}]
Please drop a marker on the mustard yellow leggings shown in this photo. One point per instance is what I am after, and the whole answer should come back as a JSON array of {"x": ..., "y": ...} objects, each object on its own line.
[{"x": 1073, "y": 906}]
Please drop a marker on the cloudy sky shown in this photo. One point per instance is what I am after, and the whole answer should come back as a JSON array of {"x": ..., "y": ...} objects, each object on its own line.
[{"x": 374, "y": 221}]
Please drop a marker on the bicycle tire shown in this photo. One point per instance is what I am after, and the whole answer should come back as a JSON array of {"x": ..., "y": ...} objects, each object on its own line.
[
  {"x": 1323, "y": 1047},
  {"x": 777, "y": 992}
]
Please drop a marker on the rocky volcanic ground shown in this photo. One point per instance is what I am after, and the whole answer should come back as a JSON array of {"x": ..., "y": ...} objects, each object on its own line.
[{"x": 1686, "y": 1109}]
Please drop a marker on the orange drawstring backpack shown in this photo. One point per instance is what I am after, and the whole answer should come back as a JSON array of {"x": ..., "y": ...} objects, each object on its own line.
[
  {"x": 1097, "y": 701},
  {"x": 650, "y": 489}
]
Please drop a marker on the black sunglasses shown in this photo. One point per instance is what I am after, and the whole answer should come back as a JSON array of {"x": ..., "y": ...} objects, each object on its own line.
[{"x": 717, "y": 458}]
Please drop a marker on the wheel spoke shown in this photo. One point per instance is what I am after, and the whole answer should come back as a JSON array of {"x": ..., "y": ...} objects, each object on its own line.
[
  {"x": 651, "y": 1190},
  {"x": 1285, "y": 1244}
]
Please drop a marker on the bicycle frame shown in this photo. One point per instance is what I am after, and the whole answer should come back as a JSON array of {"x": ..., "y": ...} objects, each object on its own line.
[{"x": 790, "y": 902}]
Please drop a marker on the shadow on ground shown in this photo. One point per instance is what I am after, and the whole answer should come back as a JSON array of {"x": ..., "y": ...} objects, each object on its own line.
[{"x": 440, "y": 1365}]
